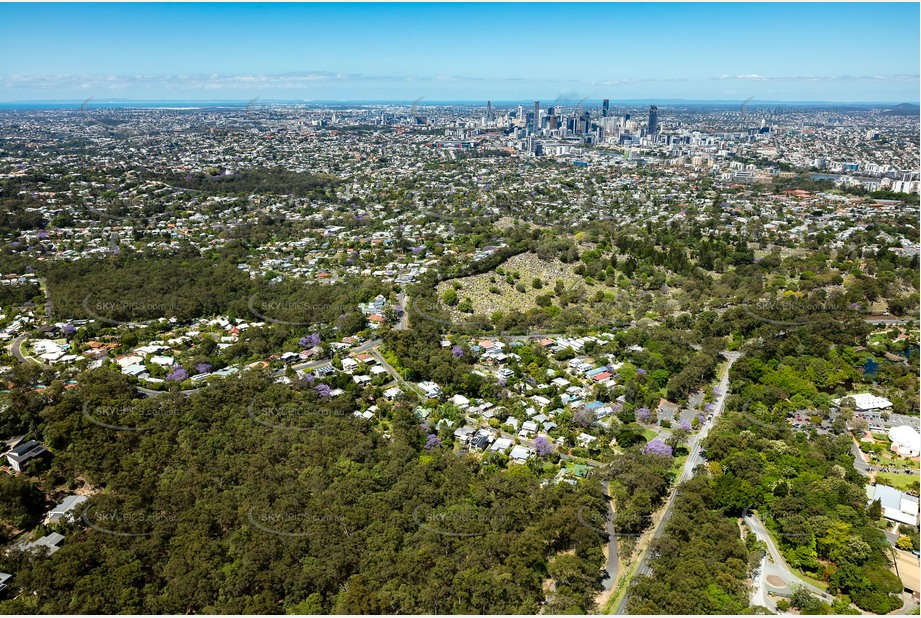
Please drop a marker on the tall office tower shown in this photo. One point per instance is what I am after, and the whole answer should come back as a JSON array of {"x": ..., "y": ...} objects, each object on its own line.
[
  {"x": 489, "y": 116},
  {"x": 605, "y": 106},
  {"x": 653, "y": 120},
  {"x": 536, "y": 127},
  {"x": 520, "y": 116}
]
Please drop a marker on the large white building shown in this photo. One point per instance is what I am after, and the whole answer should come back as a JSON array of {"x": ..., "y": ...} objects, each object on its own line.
[
  {"x": 906, "y": 440},
  {"x": 864, "y": 402},
  {"x": 897, "y": 506}
]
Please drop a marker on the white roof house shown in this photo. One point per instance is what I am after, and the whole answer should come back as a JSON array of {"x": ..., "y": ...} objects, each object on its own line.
[
  {"x": 501, "y": 445},
  {"x": 64, "y": 510},
  {"x": 906, "y": 439},
  {"x": 520, "y": 454},
  {"x": 430, "y": 389},
  {"x": 460, "y": 401}
]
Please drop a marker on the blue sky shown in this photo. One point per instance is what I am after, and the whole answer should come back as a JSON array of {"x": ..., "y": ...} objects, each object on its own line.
[{"x": 780, "y": 52}]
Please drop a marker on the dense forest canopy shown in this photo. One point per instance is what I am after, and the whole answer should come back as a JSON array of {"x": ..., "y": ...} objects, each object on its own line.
[{"x": 351, "y": 522}]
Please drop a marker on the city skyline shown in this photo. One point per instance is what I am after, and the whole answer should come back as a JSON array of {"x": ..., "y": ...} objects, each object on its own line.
[{"x": 445, "y": 52}]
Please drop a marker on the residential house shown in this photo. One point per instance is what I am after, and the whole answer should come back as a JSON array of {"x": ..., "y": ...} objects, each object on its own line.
[
  {"x": 65, "y": 510},
  {"x": 19, "y": 456},
  {"x": 519, "y": 454},
  {"x": 47, "y": 545}
]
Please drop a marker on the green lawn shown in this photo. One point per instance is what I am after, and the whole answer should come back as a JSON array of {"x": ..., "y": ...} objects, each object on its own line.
[
  {"x": 649, "y": 434},
  {"x": 902, "y": 482}
]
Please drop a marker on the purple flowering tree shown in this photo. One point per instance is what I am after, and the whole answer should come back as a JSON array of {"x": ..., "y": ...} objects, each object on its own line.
[
  {"x": 69, "y": 330},
  {"x": 457, "y": 351},
  {"x": 583, "y": 417},
  {"x": 177, "y": 375},
  {"x": 716, "y": 391},
  {"x": 640, "y": 373},
  {"x": 709, "y": 408},
  {"x": 643, "y": 415},
  {"x": 542, "y": 446},
  {"x": 309, "y": 378},
  {"x": 684, "y": 425},
  {"x": 203, "y": 368},
  {"x": 432, "y": 442},
  {"x": 658, "y": 448},
  {"x": 310, "y": 341},
  {"x": 323, "y": 390}
]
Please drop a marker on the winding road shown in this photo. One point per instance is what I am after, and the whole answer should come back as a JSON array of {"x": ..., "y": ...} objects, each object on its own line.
[{"x": 773, "y": 568}]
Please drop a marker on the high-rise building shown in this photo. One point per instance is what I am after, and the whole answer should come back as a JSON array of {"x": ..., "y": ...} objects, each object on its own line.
[
  {"x": 536, "y": 126},
  {"x": 653, "y": 120},
  {"x": 489, "y": 116},
  {"x": 605, "y": 106}
]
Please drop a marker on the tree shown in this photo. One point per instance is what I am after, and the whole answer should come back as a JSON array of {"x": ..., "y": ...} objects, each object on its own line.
[
  {"x": 542, "y": 446},
  {"x": 875, "y": 510}
]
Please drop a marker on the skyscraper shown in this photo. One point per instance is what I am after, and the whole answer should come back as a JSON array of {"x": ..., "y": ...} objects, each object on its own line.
[
  {"x": 489, "y": 116},
  {"x": 536, "y": 126},
  {"x": 605, "y": 106},
  {"x": 653, "y": 120}
]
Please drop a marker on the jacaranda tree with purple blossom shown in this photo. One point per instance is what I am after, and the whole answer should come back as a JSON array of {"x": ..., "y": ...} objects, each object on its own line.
[
  {"x": 542, "y": 446},
  {"x": 177, "y": 375},
  {"x": 658, "y": 448},
  {"x": 323, "y": 390},
  {"x": 203, "y": 367},
  {"x": 69, "y": 330},
  {"x": 432, "y": 442},
  {"x": 457, "y": 351},
  {"x": 310, "y": 341},
  {"x": 583, "y": 417}
]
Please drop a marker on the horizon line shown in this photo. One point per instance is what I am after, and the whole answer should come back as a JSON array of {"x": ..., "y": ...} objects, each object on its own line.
[{"x": 435, "y": 102}]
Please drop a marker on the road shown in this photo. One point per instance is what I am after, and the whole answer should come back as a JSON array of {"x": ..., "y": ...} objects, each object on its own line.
[
  {"x": 18, "y": 354},
  {"x": 610, "y": 577},
  {"x": 887, "y": 321},
  {"x": 694, "y": 459},
  {"x": 773, "y": 565},
  {"x": 16, "y": 346},
  {"x": 859, "y": 463},
  {"x": 403, "y": 323},
  {"x": 310, "y": 366}
]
